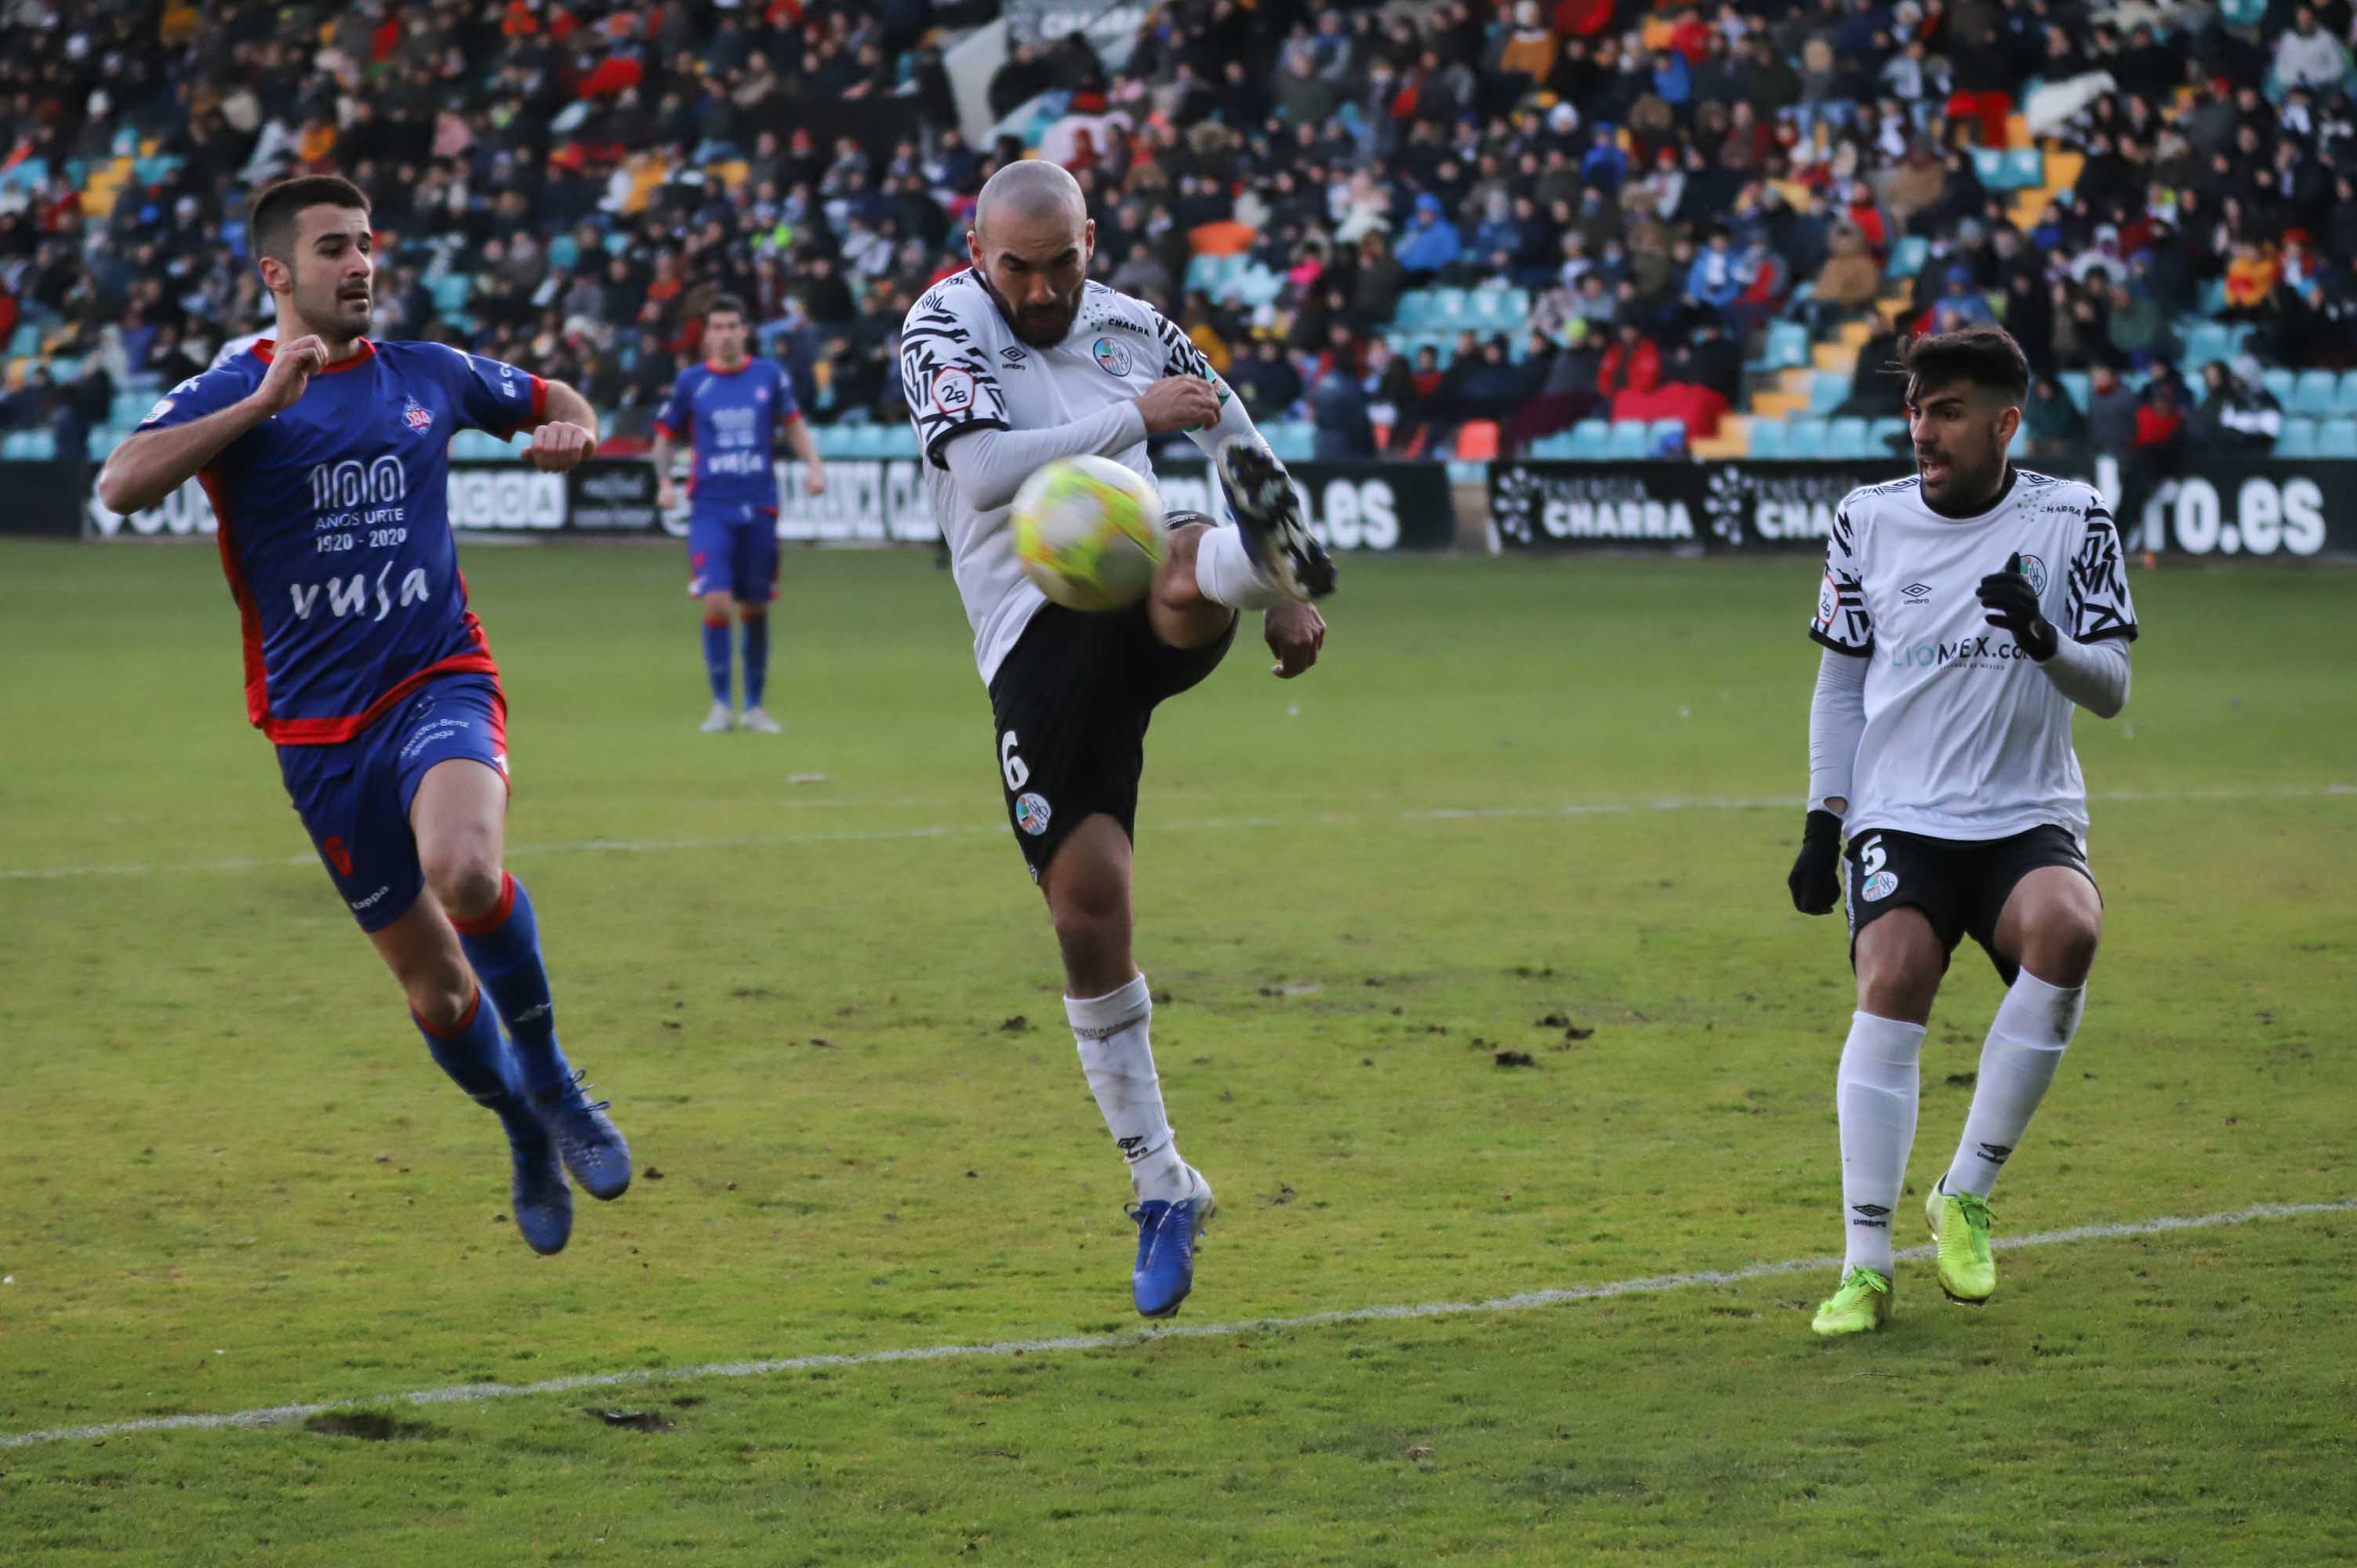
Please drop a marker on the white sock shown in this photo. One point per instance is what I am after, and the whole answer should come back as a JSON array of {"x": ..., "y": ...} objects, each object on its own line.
[
  {"x": 1111, "y": 1032},
  {"x": 1226, "y": 574},
  {"x": 2034, "y": 1025},
  {"x": 1876, "y": 1095}
]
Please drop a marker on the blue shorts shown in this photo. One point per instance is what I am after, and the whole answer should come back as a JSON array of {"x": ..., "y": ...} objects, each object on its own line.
[
  {"x": 733, "y": 548},
  {"x": 354, "y": 798}
]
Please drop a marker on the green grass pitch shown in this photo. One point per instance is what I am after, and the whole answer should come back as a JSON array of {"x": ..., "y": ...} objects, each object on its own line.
[{"x": 823, "y": 994}]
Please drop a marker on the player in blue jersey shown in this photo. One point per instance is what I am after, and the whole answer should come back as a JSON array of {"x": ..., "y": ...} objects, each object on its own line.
[
  {"x": 730, "y": 408},
  {"x": 327, "y": 457}
]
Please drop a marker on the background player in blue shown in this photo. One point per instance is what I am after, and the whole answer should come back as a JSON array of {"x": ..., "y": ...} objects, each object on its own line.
[
  {"x": 730, "y": 409},
  {"x": 327, "y": 457}
]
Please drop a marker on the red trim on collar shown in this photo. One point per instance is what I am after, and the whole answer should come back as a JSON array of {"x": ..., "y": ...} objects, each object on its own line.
[{"x": 361, "y": 355}]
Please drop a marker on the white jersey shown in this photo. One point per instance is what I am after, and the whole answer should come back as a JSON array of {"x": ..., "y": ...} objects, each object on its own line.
[
  {"x": 963, "y": 369},
  {"x": 1965, "y": 738},
  {"x": 236, "y": 346}
]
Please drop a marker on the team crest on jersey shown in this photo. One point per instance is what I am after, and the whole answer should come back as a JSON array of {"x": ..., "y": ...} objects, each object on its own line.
[
  {"x": 1112, "y": 357},
  {"x": 158, "y": 411},
  {"x": 1031, "y": 812},
  {"x": 1828, "y": 603},
  {"x": 1882, "y": 884},
  {"x": 416, "y": 415},
  {"x": 2035, "y": 570}
]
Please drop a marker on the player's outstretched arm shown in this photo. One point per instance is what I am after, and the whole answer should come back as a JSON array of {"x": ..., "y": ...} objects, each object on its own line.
[
  {"x": 990, "y": 465},
  {"x": 149, "y": 466}
]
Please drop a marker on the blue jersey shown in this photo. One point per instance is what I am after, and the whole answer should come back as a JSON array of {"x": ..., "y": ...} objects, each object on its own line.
[
  {"x": 732, "y": 417},
  {"x": 335, "y": 528}
]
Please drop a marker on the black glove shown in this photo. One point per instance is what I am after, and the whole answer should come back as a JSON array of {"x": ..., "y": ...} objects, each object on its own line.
[
  {"x": 1815, "y": 881},
  {"x": 2012, "y": 605}
]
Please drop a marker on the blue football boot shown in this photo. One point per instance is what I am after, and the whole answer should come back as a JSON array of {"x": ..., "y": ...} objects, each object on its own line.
[
  {"x": 536, "y": 1186},
  {"x": 586, "y": 1138},
  {"x": 1167, "y": 1235}
]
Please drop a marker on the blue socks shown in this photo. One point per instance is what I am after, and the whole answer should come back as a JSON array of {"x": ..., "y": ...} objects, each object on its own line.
[
  {"x": 715, "y": 659},
  {"x": 470, "y": 1054},
  {"x": 757, "y": 659},
  {"x": 503, "y": 946}
]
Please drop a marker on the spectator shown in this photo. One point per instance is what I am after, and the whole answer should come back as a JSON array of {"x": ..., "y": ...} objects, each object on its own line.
[
  {"x": 2307, "y": 56},
  {"x": 1430, "y": 246},
  {"x": 2051, "y": 423},
  {"x": 1266, "y": 382},
  {"x": 1338, "y": 410},
  {"x": 2138, "y": 331},
  {"x": 1633, "y": 363},
  {"x": 1849, "y": 283},
  {"x": 2250, "y": 417},
  {"x": 2112, "y": 411}
]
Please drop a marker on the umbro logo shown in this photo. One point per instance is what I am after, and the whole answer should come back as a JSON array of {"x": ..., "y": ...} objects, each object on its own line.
[
  {"x": 1995, "y": 1153},
  {"x": 1917, "y": 592},
  {"x": 1870, "y": 1216},
  {"x": 1016, "y": 358}
]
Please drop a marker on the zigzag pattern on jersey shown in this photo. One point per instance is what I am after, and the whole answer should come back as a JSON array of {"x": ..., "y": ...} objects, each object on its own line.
[
  {"x": 2098, "y": 604},
  {"x": 1851, "y": 629},
  {"x": 934, "y": 342},
  {"x": 1180, "y": 357}
]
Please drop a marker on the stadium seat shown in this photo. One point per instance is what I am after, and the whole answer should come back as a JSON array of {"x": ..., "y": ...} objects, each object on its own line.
[
  {"x": 1590, "y": 439},
  {"x": 2280, "y": 384},
  {"x": 2025, "y": 168},
  {"x": 900, "y": 441},
  {"x": 2297, "y": 439},
  {"x": 1788, "y": 345},
  {"x": 1847, "y": 438},
  {"x": 1810, "y": 438},
  {"x": 1884, "y": 436},
  {"x": 31, "y": 446},
  {"x": 1477, "y": 441},
  {"x": 1666, "y": 437},
  {"x": 1827, "y": 393},
  {"x": 2312, "y": 395},
  {"x": 2344, "y": 399},
  {"x": 2205, "y": 342},
  {"x": 2337, "y": 438},
  {"x": 1451, "y": 308},
  {"x": 1908, "y": 256},
  {"x": 1628, "y": 441},
  {"x": 1771, "y": 438},
  {"x": 563, "y": 250},
  {"x": 1559, "y": 448},
  {"x": 1413, "y": 311},
  {"x": 2077, "y": 385},
  {"x": 25, "y": 341}
]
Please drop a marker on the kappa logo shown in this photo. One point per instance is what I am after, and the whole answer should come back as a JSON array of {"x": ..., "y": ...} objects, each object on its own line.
[
  {"x": 1112, "y": 357},
  {"x": 1031, "y": 812}
]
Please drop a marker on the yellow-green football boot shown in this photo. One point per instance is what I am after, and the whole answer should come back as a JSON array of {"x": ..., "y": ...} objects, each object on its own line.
[
  {"x": 1861, "y": 1305},
  {"x": 1960, "y": 1224}
]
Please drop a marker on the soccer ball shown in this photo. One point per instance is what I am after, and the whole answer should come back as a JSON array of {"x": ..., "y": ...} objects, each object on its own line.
[{"x": 1090, "y": 532}]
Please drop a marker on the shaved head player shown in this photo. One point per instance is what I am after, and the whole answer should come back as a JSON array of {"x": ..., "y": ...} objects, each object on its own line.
[{"x": 1009, "y": 364}]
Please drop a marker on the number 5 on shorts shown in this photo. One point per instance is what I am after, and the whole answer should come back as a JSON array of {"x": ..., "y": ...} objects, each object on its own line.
[{"x": 1010, "y": 765}]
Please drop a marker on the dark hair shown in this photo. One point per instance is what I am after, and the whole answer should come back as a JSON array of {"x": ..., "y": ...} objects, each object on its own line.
[
  {"x": 726, "y": 305},
  {"x": 270, "y": 223},
  {"x": 1983, "y": 356}
]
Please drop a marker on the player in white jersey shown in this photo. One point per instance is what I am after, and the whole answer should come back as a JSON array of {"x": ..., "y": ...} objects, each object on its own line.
[
  {"x": 236, "y": 346},
  {"x": 1018, "y": 360},
  {"x": 1963, "y": 613}
]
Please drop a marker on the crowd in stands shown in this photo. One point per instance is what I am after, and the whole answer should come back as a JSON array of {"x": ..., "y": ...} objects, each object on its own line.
[{"x": 564, "y": 184}]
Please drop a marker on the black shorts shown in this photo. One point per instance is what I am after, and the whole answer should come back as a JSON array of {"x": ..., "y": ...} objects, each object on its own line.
[
  {"x": 1069, "y": 705},
  {"x": 1961, "y": 885}
]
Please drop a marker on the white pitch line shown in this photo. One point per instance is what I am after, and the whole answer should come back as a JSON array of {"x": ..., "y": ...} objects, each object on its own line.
[
  {"x": 1326, "y": 819},
  {"x": 1652, "y": 1285}
]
